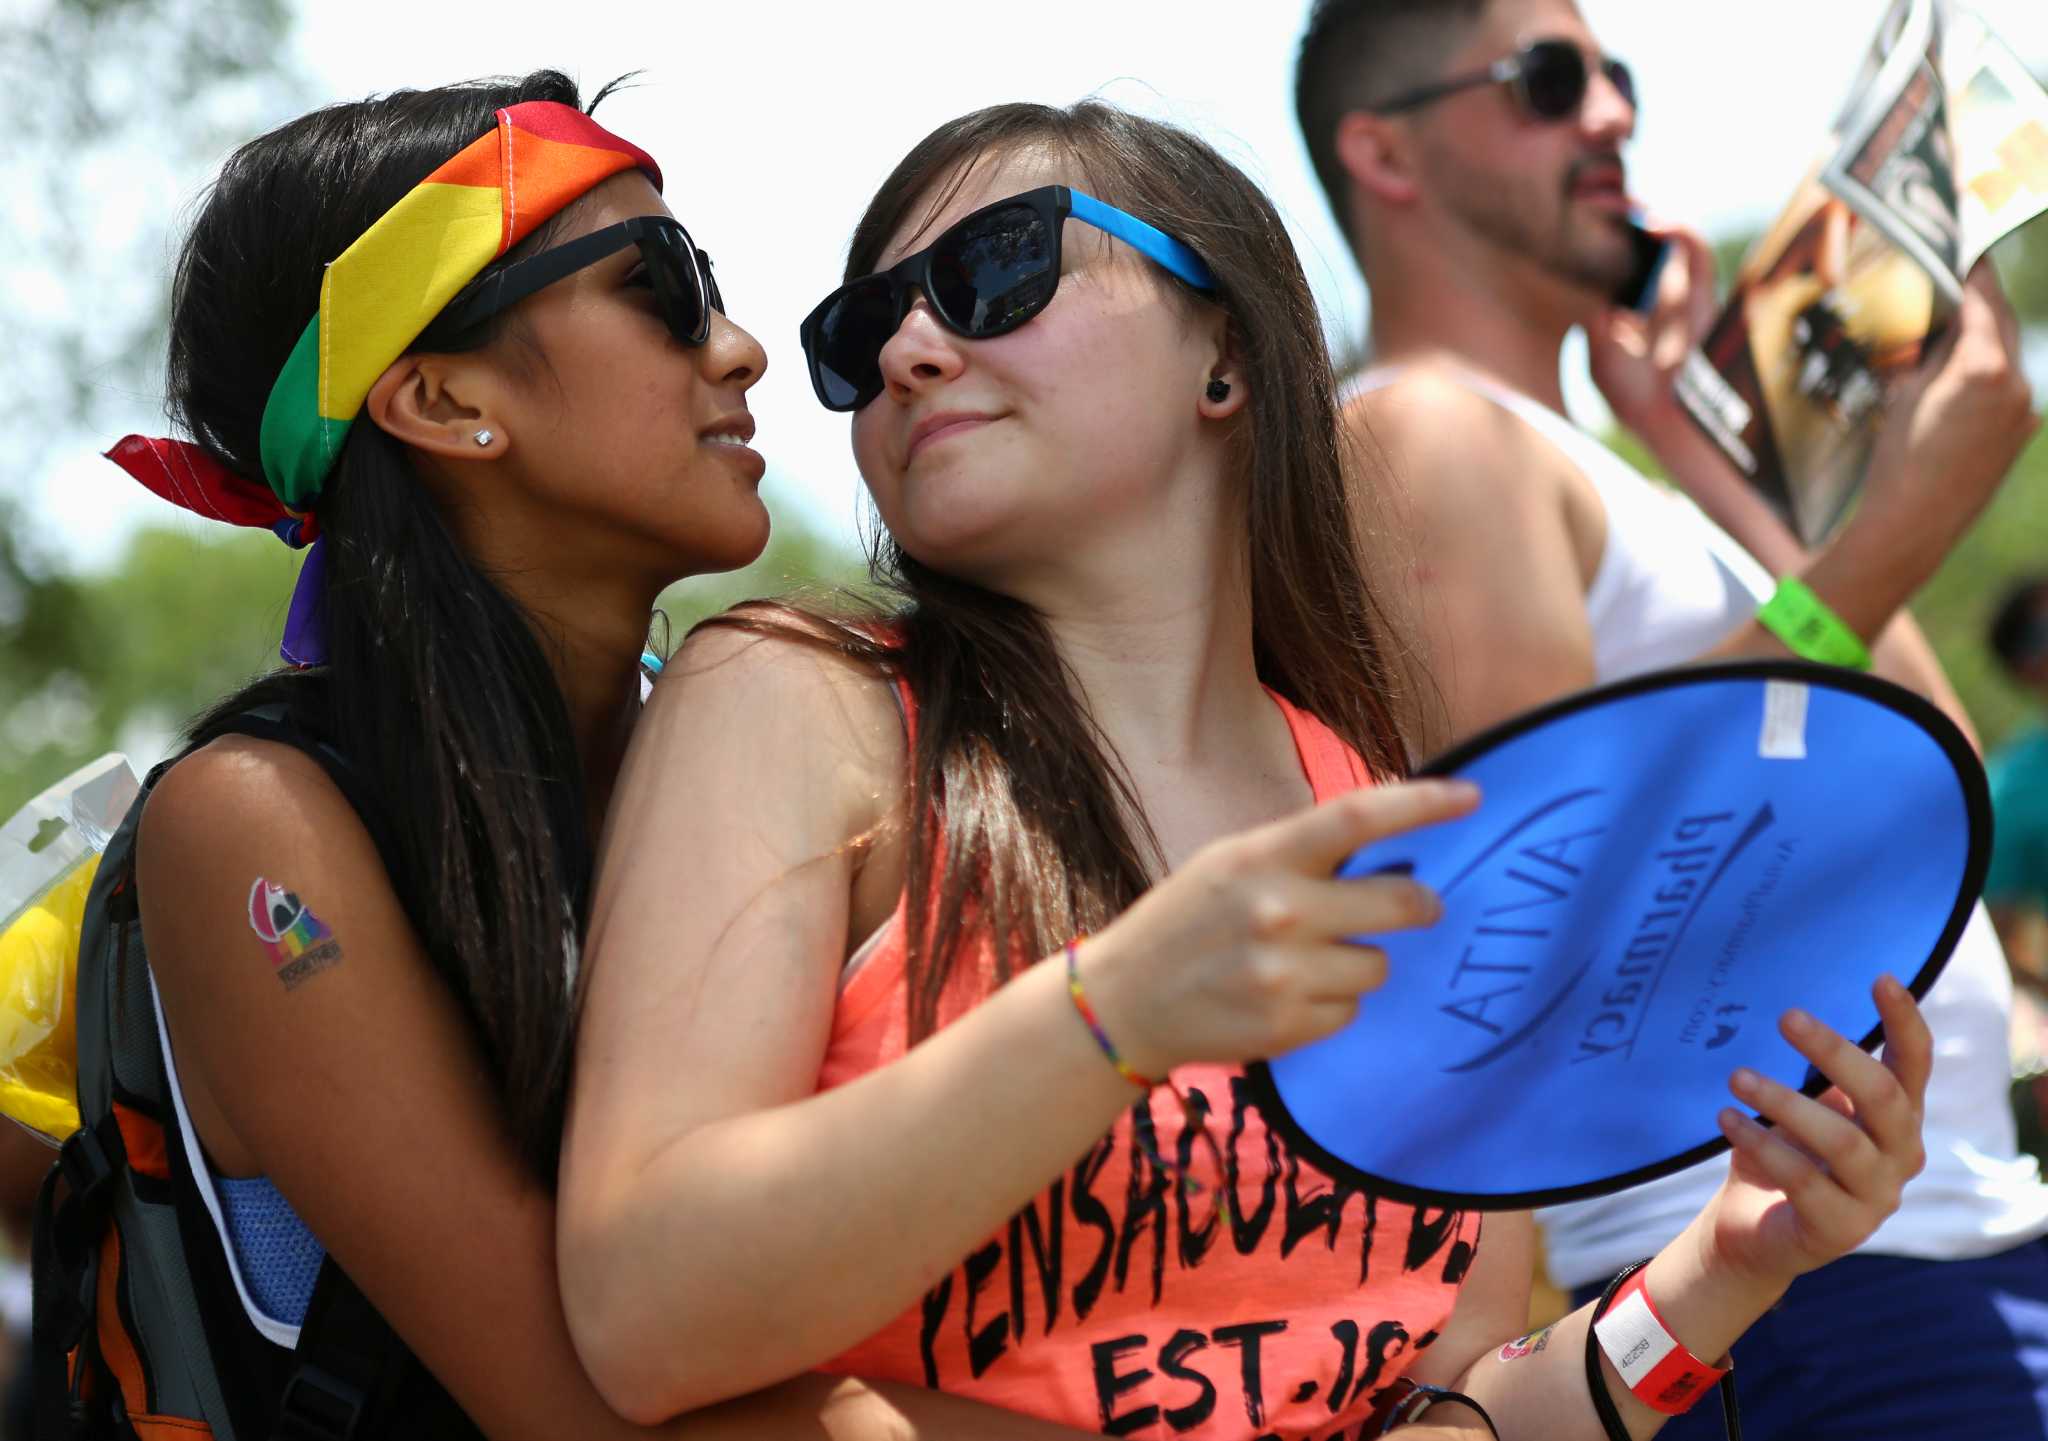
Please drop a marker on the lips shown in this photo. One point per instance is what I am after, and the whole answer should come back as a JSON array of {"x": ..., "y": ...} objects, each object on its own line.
[
  {"x": 729, "y": 436},
  {"x": 937, "y": 427},
  {"x": 734, "y": 429},
  {"x": 1599, "y": 180}
]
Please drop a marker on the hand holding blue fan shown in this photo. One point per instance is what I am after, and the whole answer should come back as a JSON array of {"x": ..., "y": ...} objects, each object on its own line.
[{"x": 1660, "y": 870}]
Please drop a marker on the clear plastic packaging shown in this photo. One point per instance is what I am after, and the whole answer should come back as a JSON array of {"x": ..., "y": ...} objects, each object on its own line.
[{"x": 49, "y": 852}]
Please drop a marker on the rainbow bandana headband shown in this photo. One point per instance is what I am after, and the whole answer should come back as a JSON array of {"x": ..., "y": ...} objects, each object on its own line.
[{"x": 375, "y": 299}]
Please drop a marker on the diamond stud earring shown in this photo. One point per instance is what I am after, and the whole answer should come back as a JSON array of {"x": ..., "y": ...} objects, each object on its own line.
[{"x": 484, "y": 437}]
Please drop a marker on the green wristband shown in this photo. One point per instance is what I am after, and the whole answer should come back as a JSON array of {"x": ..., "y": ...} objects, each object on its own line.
[{"x": 1801, "y": 619}]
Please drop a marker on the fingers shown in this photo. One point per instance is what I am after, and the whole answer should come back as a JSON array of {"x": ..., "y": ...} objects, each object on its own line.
[
  {"x": 1934, "y": 358},
  {"x": 1986, "y": 317},
  {"x": 1344, "y": 972},
  {"x": 1288, "y": 907},
  {"x": 1827, "y": 1210},
  {"x": 1820, "y": 1134},
  {"x": 1984, "y": 288},
  {"x": 1701, "y": 281},
  {"x": 1908, "y": 1043},
  {"x": 1316, "y": 841},
  {"x": 1885, "y": 1106},
  {"x": 1865, "y": 1133},
  {"x": 1301, "y": 993}
]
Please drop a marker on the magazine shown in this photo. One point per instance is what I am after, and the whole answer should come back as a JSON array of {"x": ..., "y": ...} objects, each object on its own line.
[{"x": 1940, "y": 152}]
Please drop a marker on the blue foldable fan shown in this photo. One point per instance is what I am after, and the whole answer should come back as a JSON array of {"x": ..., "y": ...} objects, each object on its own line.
[{"x": 1658, "y": 870}]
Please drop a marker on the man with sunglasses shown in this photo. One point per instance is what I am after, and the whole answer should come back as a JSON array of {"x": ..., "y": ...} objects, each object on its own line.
[{"x": 1473, "y": 152}]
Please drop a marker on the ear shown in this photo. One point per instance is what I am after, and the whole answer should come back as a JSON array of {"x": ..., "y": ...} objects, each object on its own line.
[
  {"x": 437, "y": 404},
  {"x": 1226, "y": 370},
  {"x": 1378, "y": 154}
]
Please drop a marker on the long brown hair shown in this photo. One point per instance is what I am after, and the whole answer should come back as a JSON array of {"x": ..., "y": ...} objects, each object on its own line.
[{"x": 1023, "y": 824}]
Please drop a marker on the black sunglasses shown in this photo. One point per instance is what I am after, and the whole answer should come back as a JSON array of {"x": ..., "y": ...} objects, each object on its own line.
[
  {"x": 1548, "y": 79},
  {"x": 678, "y": 271},
  {"x": 984, "y": 276}
]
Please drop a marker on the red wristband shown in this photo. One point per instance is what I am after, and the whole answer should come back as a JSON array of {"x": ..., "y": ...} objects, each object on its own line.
[{"x": 1661, "y": 1373}]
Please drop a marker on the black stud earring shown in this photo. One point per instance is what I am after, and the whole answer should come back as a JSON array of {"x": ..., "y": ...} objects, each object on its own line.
[{"x": 1219, "y": 391}]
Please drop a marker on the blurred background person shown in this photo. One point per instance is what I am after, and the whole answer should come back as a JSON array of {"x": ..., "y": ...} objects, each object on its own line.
[
  {"x": 1475, "y": 151},
  {"x": 2017, "y": 888}
]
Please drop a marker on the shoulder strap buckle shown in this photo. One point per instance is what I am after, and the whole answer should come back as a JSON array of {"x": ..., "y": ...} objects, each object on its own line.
[
  {"x": 319, "y": 1406},
  {"x": 91, "y": 1156}
]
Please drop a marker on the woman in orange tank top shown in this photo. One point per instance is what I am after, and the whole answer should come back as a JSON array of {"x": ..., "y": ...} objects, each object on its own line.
[{"x": 832, "y": 1109}]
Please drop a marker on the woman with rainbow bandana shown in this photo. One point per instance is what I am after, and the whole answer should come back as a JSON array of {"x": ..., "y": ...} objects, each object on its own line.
[{"x": 454, "y": 340}]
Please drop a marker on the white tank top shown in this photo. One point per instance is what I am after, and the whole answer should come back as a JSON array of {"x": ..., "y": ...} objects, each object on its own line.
[{"x": 1671, "y": 585}]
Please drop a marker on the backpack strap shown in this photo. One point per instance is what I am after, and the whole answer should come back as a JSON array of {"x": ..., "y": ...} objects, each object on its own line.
[
  {"x": 65, "y": 1258},
  {"x": 350, "y": 1365},
  {"x": 106, "y": 1204}
]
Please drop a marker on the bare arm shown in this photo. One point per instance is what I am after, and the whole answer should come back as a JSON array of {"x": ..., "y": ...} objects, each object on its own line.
[
  {"x": 713, "y": 989},
  {"x": 360, "y": 1093},
  {"x": 1494, "y": 615},
  {"x": 1900, "y": 653},
  {"x": 1951, "y": 434}
]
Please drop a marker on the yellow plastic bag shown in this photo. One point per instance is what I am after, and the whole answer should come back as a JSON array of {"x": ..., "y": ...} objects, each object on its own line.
[{"x": 49, "y": 852}]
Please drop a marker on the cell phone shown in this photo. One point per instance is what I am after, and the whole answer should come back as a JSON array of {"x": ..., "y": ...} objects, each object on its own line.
[{"x": 1649, "y": 253}]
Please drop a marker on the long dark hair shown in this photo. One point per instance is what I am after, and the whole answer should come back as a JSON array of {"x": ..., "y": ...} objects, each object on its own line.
[
  {"x": 437, "y": 692},
  {"x": 1022, "y": 820}
]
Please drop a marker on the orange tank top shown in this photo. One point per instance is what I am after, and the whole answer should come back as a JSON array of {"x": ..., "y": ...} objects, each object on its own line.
[{"x": 1117, "y": 1302}]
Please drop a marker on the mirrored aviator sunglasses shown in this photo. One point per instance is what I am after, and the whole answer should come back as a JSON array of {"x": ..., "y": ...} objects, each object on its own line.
[
  {"x": 1548, "y": 78},
  {"x": 984, "y": 276},
  {"x": 676, "y": 270}
]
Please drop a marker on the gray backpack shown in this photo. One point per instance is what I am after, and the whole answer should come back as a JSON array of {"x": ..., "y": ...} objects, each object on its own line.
[{"x": 138, "y": 1329}]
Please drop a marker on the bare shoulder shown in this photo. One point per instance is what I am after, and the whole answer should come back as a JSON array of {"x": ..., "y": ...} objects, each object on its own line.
[
  {"x": 239, "y": 798},
  {"x": 1440, "y": 442},
  {"x": 1428, "y": 404},
  {"x": 236, "y": 817},
  {"x": 761, "y": 721},
  {"x": 256, "y": 881},
  {"x": 781, "y": 678}
]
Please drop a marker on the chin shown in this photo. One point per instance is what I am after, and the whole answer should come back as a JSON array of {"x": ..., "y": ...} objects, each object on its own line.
[
  {"x": 749, "y": 543},
  {"x": 973, "y": 559},
  {"x": 1599, "y": 266},
  {"x": 727, "y": 544},
  {"x": 955, "y": 529}
]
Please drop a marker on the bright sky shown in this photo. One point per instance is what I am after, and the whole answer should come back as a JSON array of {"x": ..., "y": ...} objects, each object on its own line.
[{"x": 774, "y": 122}]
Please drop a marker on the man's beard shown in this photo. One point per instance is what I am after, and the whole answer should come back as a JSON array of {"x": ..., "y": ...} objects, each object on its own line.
[{"x": 1585, "y": 251}]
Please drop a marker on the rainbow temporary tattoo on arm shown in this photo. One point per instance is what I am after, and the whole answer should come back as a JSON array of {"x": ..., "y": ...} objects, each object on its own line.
[
  {"x": 1526, "y": 1346},
  {"x": 300, "y": 946}
]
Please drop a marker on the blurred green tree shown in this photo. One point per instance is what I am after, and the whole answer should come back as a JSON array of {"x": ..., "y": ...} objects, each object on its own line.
[
  {"x": 798, "y": 559},
  {"x": 2022, "y": 259},
  {"x": 116, "y": 110},
  {"x": 122, "y": 660}
]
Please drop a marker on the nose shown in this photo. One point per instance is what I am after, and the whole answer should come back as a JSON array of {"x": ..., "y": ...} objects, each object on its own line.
[
  {"x": 921, "y": 353},
  {"x": 731, "y": 356},
  {"x": 1606, "y": 115}
]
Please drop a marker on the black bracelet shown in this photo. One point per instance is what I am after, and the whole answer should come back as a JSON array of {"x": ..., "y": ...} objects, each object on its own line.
[
  {"x": 1596, "y": 1383},
  {"x": 1412, "y": 1398}
]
